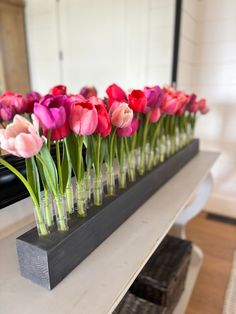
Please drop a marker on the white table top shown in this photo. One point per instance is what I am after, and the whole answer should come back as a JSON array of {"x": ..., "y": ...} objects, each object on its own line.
[{"x": 98, "y": 284}]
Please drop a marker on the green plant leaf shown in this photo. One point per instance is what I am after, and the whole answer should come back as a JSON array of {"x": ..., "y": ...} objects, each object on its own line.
[
  {"x": 32, "y": 175},
  {"x": 41, "y": 174},
  {"x": 49, "y": 168},
  {"x": 72, "y": 147}
]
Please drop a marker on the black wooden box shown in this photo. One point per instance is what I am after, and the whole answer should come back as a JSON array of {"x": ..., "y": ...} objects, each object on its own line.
[
  {"x": 162, "y": 279},
  {"x": 131, "y": 304},
  {"x": 47, "y": 260}
]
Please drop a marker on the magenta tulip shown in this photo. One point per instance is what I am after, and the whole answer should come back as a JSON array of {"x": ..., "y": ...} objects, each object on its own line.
[
  {"x": 51, "y": 112},
  {"x": 21, "y": 138},
  {"x": 83, "y": 118},
  {"x": 121, "y": 114},
  {"x": 130, "y": 130},
  {"x": 154, "y": 96}
]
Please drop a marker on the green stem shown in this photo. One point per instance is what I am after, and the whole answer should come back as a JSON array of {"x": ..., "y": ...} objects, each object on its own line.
[
  {"x": 97, "y": 196},
  {"x": 81, "y": 204},
  {"x": 69, "y": 198},
  {"x": 122, "y": 181},
  {"x": 61, "y": 221},
  {"x": 49, "y": 139},
  {"x": 58, "y": 155},
  {"x": 47, "y": 208},
  {"x": 153, "y": 142},
  {"x": 110, "y": 184},
  {"x": 145, "y": 132},
  {"x": 131, "y": 167},
  {"x": 98, "y": 168},
  {"x": 42, "y": 226}
]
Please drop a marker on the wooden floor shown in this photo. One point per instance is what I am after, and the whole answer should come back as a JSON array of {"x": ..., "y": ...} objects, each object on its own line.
[{"x": 218, "y": 242}]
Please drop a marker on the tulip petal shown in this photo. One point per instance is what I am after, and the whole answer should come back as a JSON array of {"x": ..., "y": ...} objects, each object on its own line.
[
  {"x": 44, "y": 116},
  {"x": 58, "y": 115},
  {"x": 28, "y": 145}
]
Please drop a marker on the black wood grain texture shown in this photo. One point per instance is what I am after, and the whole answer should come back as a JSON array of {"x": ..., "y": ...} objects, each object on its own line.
[{"x": 47, "y": 260}]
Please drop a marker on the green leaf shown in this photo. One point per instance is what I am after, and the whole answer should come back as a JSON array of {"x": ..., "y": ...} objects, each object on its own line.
[
  {"x": 72, "y": 146},
  {"x": 33, "y": 176},
  {"x": 49, "y": 168},
  {"x": 41, "y": 174}
]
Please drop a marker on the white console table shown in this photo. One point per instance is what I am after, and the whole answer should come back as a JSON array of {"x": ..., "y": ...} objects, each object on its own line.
[{"x": 98, "y": 284}]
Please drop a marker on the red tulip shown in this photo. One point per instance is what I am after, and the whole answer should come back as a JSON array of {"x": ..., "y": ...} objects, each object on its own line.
[
  {"x": 58, "y": 90},
  {"x": 137, "y": 100},
  {"x": 104, "y": 122},
  {"x": 30, "y": 99},
  {"x": 115, "y": 93},
  {"x": 83, "y": 118}
]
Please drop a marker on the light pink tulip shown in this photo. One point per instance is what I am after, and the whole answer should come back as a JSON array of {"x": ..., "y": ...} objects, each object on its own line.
[
  {"x": 83, "y": 118},
  {"x": 121, "y": 114},
  {"x": 21, "y": 138}
]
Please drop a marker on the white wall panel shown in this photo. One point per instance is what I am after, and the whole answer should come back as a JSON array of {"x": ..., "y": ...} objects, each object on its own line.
[
  {"x": 42, "y": 39},
  {"x": 213, "y": 72}
]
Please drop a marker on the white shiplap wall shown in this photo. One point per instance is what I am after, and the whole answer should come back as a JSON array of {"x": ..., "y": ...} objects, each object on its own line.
[
  {"x": 208, "y": 67},
  {"x": 124, "y": 41}
]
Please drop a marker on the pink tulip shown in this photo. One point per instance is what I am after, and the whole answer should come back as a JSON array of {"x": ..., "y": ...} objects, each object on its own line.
[
  {"x": 96, "y": 101},
  {"x": 77, "y": 98},
  {"x": 12, "y": 100},
  {"x": 21, "y": 138},
  {"x": 129, "y": 130},
  {"x": 6, "y": 112},
  {"x": 154, "y": 115},
  {"x": 83, "y": 118},
  {"x": 170, "y": 104},
  {"x": 202, "y": 106},
  {"x": 121, "y": 114},
  {"x": 51, "y": 112}
]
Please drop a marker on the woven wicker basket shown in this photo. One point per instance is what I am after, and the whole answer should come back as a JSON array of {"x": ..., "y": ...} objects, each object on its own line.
[
  {"x": 131, "y": 304},
  {"x": 162, "y": 279}
]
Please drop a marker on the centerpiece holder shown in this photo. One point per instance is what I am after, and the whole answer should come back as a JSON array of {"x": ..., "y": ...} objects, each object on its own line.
[{"x": 48, "y": 260}]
